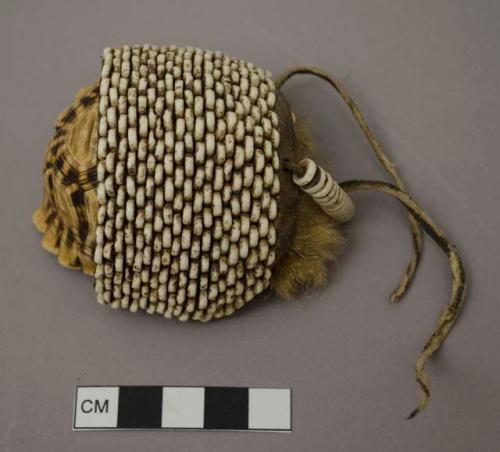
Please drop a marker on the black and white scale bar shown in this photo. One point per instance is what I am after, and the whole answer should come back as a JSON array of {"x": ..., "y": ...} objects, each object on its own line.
[{"x": 182, "y": 408}]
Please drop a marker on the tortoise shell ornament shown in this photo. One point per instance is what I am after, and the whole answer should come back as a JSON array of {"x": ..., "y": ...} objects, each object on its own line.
[{"x": 184, "y": 184}]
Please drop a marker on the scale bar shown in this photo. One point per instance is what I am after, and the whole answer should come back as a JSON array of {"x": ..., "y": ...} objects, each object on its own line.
[{"x": 182, "y": 408}]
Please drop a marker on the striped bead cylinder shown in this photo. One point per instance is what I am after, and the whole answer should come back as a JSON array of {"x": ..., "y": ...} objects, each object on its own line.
[{"x": 324, "y": 190}]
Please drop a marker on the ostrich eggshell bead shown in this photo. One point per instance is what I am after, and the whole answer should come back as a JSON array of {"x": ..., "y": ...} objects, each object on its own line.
[{"x": 188, "y": 148}]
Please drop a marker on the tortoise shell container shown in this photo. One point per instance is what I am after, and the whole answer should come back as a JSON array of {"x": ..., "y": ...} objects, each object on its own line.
[{"x": 185, "y": 185}]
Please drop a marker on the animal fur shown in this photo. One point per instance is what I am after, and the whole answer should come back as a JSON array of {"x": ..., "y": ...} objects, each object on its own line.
[{"x": 315, "y": 241}]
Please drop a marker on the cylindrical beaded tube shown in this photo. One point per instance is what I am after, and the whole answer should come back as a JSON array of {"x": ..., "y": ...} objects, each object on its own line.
[{"x": 325, "y": 191}]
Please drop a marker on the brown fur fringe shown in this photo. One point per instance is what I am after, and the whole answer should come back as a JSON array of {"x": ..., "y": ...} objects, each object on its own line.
[{"x": 316, "y": 239}]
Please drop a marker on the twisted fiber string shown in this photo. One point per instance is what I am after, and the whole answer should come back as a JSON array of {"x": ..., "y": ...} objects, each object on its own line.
[
  {"x": 453, "y": 308},
  {"x": 409, "y": 274}
]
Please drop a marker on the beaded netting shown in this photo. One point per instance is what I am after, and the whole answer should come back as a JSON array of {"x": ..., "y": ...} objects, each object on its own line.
[{"x": 187, "y": 170}]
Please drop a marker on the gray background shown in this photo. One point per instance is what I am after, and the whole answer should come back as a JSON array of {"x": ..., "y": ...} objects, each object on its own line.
[{"x": 427, "y": 76}]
